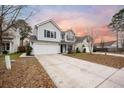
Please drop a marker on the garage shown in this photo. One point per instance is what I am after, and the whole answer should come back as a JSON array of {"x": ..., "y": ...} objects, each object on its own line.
[{"x": 46, "y": 48}]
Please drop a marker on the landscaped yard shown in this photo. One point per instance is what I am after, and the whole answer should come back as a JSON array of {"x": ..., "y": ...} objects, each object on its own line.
[
  {"x": 25, "y": 72},
  {"x": 112, "y": 61}
]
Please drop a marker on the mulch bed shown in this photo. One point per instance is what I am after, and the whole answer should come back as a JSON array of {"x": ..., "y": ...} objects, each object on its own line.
[
  {"x": 112, "y": 61},
  {"x": 25, "y": 72}
]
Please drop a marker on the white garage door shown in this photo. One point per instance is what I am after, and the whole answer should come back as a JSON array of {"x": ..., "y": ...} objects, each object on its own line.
[{"x": 46, "y": 48}]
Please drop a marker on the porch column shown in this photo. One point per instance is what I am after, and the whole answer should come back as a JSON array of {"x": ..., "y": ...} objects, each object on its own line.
[
  {"x": 66, "y": 48},
  {"x": 10, "y": 47}
]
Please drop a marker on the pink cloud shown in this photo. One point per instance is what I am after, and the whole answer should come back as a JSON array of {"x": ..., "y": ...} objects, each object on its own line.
[
  {"x": 104, "y": 33},
  {"x": 80, "y": 22}
]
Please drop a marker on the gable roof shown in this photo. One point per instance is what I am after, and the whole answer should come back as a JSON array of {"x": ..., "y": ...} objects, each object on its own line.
[
  {"x": 80, "y": 39},
  {"x": 69, "y": 30},
  {"x": 51, "y": 21}
]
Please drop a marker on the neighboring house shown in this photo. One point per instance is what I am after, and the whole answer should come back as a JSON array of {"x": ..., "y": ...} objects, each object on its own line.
[
  {"x": 84, "y": 44},
  {"x": 110, "y": 46},
  {"x": 48, "y": 38},
  {"x": 11, "y": 40}
]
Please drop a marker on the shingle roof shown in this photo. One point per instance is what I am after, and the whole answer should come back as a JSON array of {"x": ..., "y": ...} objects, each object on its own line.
[
  {"x": 106, "y": 43},
  {"x": 80, "y": 39}
]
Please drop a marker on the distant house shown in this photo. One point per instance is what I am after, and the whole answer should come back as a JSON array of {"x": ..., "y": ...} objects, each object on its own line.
[
  {"x": 84, "y": 44},
  {"x": 11, "y": 40},
  {"x": 110, "y": 46},
  {"x": 48, "y": 38}
]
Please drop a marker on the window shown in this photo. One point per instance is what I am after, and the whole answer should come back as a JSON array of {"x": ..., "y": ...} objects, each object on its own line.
[
  {"x": 48, "y": 33},
  {"x": 36, "y": 27},
  {"x": 70, "y": 37},
  {"x": 88, "y": 40},
  {"x": 54, "y": 34},
  {"x": 51, "y": 34},
  {"x": 63, "y": 36},
  {"x": 83, "y": 46},
  {"x": 45, "y": 33}
]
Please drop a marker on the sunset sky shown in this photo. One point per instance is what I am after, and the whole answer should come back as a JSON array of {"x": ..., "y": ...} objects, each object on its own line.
[{"x": 82, "y": 19}]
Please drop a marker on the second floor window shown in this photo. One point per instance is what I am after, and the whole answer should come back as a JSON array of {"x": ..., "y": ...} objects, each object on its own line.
[{"x": 49, "y": 34}]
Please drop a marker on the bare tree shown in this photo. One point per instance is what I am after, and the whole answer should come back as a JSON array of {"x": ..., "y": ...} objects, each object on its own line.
[
  {"x": 102, "y": 43},
  {"x": 91, "y": 39},
  {"x": 8, "y": 16},
  {"x": 90, "y": 43}
]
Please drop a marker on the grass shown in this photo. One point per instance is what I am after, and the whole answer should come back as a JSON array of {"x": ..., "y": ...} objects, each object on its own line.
[
  {"x": 13, "y": 56},
  {"x": 112, "y": 61}
]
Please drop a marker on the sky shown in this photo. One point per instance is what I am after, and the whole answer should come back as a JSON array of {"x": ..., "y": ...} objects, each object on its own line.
[{"x": 82, "y": 19}]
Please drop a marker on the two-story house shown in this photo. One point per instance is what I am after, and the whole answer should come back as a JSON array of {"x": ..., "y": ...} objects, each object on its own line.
[{"x": 48, "y": 38}]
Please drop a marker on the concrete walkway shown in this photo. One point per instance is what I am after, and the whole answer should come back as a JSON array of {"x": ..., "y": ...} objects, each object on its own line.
[
  {"x": 71, "y": 72},
  {"x": 112, "y": 54}
]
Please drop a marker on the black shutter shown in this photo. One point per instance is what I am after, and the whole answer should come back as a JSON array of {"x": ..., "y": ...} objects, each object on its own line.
[
  {"x": 45, "y": 32},
  {"x": 54, "y": 34}
]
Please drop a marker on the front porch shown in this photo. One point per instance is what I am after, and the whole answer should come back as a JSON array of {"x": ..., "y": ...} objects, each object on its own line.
[
  {"x": 8, "y": 47},
  {"x": 66, "y": 48}
]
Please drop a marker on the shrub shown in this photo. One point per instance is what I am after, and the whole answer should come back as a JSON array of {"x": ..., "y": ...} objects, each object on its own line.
[
  {"x": 28, "y": 50},
  {"x": 77, "y": 50},
  {"x": 21, "y": 49},
  {"x": 5, "y": 52},
  {"x": 70, "y": 52}
]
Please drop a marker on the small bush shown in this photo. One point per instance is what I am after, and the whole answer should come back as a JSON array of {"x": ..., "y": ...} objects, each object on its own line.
[
  {"x": 28, "y": 50},
  {"x": 77, "y": 50},
  {"x": 5, "y": 52},
  {"x": 21, "y": 49},
  {"x": 70, "y": 52}
]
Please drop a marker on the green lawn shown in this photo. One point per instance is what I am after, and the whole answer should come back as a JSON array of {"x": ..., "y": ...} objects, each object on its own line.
[
  {"x": 13, "y": 56},
  {"x": 112, "y": 61}
]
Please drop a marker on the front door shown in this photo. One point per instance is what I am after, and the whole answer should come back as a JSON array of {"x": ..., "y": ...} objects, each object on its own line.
[{"x": 70, "y": 48}]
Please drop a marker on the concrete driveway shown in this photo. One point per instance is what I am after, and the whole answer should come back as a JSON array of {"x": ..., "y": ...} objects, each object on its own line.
[{"x": 71, "y": 72}]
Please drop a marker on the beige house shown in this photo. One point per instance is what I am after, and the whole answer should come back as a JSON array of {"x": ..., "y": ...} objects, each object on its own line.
[{"x": 11, "y": 40}]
